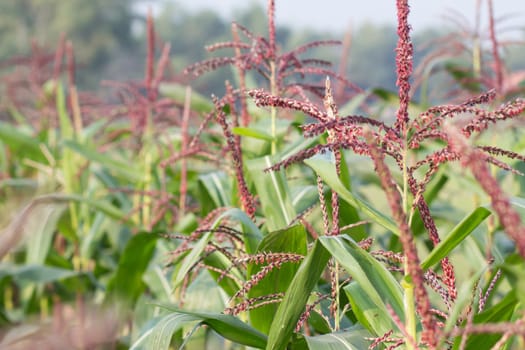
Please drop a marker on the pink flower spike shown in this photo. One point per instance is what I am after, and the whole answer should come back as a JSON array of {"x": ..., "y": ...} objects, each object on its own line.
[{"x": 404, "y": 56}]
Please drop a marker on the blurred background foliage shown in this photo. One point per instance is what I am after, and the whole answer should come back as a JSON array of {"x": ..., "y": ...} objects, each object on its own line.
[
  {"x": 109, "y": 170},
  {"x": 109, "y": 39}
]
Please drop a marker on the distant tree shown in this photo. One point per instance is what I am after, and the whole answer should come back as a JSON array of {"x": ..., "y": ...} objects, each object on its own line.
[
  {"x": 372, "y": 56},
  {"x": 97, "y": 28}
]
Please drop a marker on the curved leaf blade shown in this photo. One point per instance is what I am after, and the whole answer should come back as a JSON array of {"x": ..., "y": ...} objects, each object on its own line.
[
  {"x": 456, "y": 236},
  {"x": 272, "y": 189},
  {"x": 296, "y": 297},
  {"x": 127, "y": 285},
  {"x": 353, "y": 339},
  {"x": 291, "y": 240},
  {"x": 326, "y": 170},
  {"x": 227, "y": 326},
  {"x": 375, "y": 280}
]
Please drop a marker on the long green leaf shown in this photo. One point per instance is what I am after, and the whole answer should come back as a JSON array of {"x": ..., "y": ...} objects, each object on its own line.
[
  {"x": 127, "y": 285},
  {"x": 34, "y": 273},
  {"x": 192, "y": 258},
  {"x": 120, "y": 167},
  {"x": 221, "y": 262},
  {"x": 66, "y": 127},
  {"x": 500, "y": 312},
  {"x": 291, "y": 240},
  {"x": 217, "y": 187},
  {"x": 177, "y": 92},
  {"x": 20, "y": 143},
  {"x": 326, "y": 170},
  {"x": 348, "y": 214},
  {"x": 352, "y": 339},
  {"x": 252, "y": 132},
  {"x": 159, "y": 335},
  {"x": 374, "y": 279},
  {"x": 369, "y": 314},
  {"x": 456, "y": 236},
  {"x": 36, "y": 222},
  {"x": 251, "y": 233},
  {"x": 227, "y": 326},
  {"x": 273, "y": 192},
  {"x": 296, "y": 296}
]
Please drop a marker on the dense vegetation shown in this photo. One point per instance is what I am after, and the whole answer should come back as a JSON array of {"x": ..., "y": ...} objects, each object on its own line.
[{"x": 297, "y": 208}]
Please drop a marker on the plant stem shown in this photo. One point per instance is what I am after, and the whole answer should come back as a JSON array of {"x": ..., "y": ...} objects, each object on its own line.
[
  {"x": 148, "y": 162},
  {"x": 337, "y": 318},
  {"x": 407, "y": 284},
  {"x": 410, "y": 311},
  {"x": 405, "y": 175},
  {"x": 273, "y": 110}
]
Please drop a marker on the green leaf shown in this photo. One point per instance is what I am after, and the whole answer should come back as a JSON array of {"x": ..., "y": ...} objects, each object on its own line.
[
  {"x": 514, "y": 270},
  {"x": 192, "y": 258},
  {"x": 291, "y": 240},
  {"x": 160, "y": 334},
  {"x": 251, "y": 233},
  {"x": 36, "y": 223},
  {"x": 21, "y": 143},
  {"x": 40, "y": 228},
  {"x": 352, "y": 339},
  {"x": 464, "y": 76},
  {"x": 464, "y": 298},
  {"x": 274, "y": 194},
  {"x": 433, "y": 189},
  {"x": 369, "y": 314},
  {"x": 253, "y": 133},
  {"x": 326, "y": 170},
  {"x": 518, "y": 202},
  {"x": 304, "y": 197},
  {"x": 66, "y": 127},
  {"x": 391, "y": 98},
  {"x": 376, "y": 283},
  {"x": 227, "y": 326},
  {"x": 217, "y": 186},
  {"x": 348, "y": 214},
  {"x": 456, "y": 236},
  {"x": 221, "y": 262},
  {"x": 120, "y": 167},
  {"x": 500, "y": 312},
  {"x": 296, "y": 296},
  {"x": 351, "y": 107},
  {"x": 34, "y": 273},
  {"x": 177, "y": 92},
  {"x": 127, "y": 285}
]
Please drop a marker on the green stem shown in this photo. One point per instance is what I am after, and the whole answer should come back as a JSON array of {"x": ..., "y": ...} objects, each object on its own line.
[
  {"x": 405, "y": 177},
  {"x": 148, "y": 161},
  {"x": 337, "y": 316},
  {"x": 273, "y": 110},
  {"x": 407, "y": 284},
  {"x": 410, "y": 311}
]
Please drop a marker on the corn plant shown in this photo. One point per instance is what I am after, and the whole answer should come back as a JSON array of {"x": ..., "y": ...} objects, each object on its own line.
[{"x": 297, "y": 211}]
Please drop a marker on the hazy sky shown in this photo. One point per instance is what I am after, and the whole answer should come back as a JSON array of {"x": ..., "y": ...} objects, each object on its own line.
[{"x": 339, "y": 14}]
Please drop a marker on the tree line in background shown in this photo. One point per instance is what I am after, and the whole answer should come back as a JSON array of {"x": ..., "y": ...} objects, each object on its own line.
[{"x": 109, "y": 39}]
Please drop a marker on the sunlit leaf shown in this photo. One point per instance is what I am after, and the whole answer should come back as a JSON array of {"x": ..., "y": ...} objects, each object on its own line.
[
  {"x": 375, "y": 281},
  {"x": 456, "y": 236},
  {"x": 291, "y": 240},
  {"x": 296, "y": 296},
  {"x": 352, "y": 339},
  {"x": 227, "y": 326},
  {"x": 128, "y": 283},
  {"x": 326, "y": 170},
  {"x": 272, "y": 189}
]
